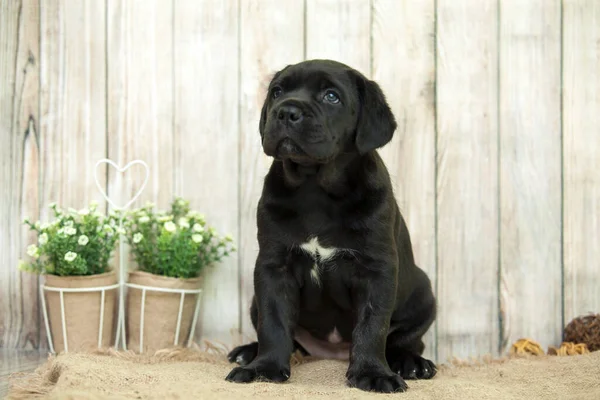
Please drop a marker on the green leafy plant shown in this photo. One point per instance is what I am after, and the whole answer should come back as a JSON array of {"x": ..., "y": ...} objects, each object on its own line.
[
  {"x": 176, "y": 243},
  {"x": 74, "y": 243}
]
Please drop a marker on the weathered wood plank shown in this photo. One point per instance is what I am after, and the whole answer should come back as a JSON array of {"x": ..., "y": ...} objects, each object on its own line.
[
  {"x": 140, "y": 97},
  {"x": 404, "y": 66},
  {"x": 530, "y": 172},
  {"x": 341, "y": 31},
  {"x": 264, "y": 50},
  {"x": 467, "y": 177},
  {"x": 73, "y": 101},
  {"x": 581, "y": 151},
  {"x": 19, "y": 168},
  {"x": 72, "y": 104},
  {"x": 206, "y": 140}
]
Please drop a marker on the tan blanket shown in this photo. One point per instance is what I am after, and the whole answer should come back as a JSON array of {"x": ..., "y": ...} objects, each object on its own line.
[{"x": 192, "y": 374}]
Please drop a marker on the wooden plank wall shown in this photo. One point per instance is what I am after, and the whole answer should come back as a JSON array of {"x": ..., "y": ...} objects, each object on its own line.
[
  {"x": 498, "y": 104},
  {"x": 529, "y": 149}
]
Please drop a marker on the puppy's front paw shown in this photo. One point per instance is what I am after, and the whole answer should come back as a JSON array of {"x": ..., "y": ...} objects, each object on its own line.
[
  {"x": 243, "y": 355},
  {"x": 375, "y": 380},
  {"x": 266, "y": 370},
  {"x": 413, "y": 366}
]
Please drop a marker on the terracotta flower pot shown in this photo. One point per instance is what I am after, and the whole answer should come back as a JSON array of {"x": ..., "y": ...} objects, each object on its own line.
[
  {"x": 161, "y": 311},
  {"x": 82, "y": 312}
]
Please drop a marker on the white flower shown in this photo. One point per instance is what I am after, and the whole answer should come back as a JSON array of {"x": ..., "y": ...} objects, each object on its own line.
[
  {"x": 120, "y": 230},
  {"x": 144, "y": 219},
  {"x": 197, "y": 238},
  {"x": 43, "y": 239},
  {"x": 198, "y": 228},
  {"x": 170, "y": 226},
  {"x": 61, "y": 231},
  {"x": 196, "y": 215},
  {"x": 228, "y": 238},
  {"x": 83, "y": 240},
  {"x": 184, "y": 223},
  {"x": 93, "y": 204},
  {"x": 72, "y": 210},
  {"x": 70, "y": 256},
  {"x": 109, "y": 230},
  {"x": 33, "y": 251},
  {"x": 137, "y": 237},
  {"x": 45, "y": 226},
  {"x": 164, "y": 218},
  {"x": 70, "y": 231},
  {"x": 69, "y": 223},
  {"x": 84, "y": 211},
  {"x": 37, "y": 225}
]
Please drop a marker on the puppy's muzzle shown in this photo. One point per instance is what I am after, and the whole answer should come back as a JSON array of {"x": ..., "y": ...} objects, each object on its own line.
[{"x": 288, "y": 131}]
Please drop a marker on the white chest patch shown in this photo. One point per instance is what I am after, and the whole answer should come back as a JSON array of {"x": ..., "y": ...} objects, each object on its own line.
[{"x": 319, "y": 254}]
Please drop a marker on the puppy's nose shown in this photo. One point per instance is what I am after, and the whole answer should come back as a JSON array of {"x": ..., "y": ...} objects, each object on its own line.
[{"x": 290, "y": 113}]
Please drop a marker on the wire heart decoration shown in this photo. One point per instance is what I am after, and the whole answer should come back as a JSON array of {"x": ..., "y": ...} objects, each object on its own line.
[{"x": 121, "y": 170}]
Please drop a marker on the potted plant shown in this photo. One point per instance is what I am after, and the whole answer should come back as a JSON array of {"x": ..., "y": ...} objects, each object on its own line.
[
  {"x": 72, "y": 252},
  {"x": 171, "y": 249}
]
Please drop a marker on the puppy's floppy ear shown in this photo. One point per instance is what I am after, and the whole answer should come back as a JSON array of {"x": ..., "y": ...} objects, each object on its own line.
[{"x": 376, "y": 122}]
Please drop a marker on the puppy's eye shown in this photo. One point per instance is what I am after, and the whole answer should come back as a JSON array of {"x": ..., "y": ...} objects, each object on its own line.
[
  {"x": 331, "y": 97},
  {"x": 276, "y": 92}
]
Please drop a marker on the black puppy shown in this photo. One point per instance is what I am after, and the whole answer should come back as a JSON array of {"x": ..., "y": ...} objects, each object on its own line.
[{"x": 335, "y": 275}]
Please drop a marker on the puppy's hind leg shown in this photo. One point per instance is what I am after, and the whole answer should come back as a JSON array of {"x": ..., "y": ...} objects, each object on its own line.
[
  {"x": 404, "y": 348},
  {"x": 243, "y": 355},
  {"x": 406, "y": 360},
  {"x": 404, "y": 344}
]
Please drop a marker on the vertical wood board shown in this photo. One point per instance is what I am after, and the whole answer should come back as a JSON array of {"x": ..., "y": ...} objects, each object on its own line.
[
  {"x": 140, "y": 98},
  {"x": 467, "y": 178},
  {"x": 271, "y": 38},
  {"x": 19, "y": 169},
  {"x": 581, "y": 152},
  {"x": 73, "y": 102},
  {"x": 530, "y": 172},
  {"x": 404, "y": 66},
  {"x": 206, "y": 140},
  {"x": 341, "y": 31}
]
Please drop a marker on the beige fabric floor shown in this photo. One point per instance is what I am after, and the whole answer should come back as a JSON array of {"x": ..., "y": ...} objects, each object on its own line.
[{"x": 192, "y": 374}]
